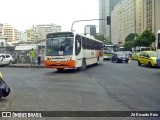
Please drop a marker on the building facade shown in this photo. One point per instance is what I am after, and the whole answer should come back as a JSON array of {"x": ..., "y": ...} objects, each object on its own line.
[
  {"x": 90, "y": 29},
  {"x": 151, "y": 15},
  {"x": 10, "y": 33},
  {"x": 139, "y": 16},
  {"x": 122, "y": 21},
  {"x": 105, "y": 8},
  {"x": 30, "y": 35}
]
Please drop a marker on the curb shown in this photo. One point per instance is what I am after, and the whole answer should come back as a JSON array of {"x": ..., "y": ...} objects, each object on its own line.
[{"x": 25, "y": 66}]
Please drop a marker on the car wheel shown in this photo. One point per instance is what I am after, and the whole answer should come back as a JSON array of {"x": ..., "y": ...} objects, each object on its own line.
[
  {"x": 126, "y": 61},
  {"x": 149, "y": 65},
  {"x": 116, "y": 61},
  {"x": 139, "y": 64},
  {"x": 111, "y": 60},
  {"x": 10, "y": 62}
]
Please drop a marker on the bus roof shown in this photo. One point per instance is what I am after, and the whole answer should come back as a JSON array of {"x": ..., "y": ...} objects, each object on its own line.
[{"x": 78, "y": 34}]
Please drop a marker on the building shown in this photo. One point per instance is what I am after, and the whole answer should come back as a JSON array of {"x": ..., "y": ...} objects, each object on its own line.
[
  {"x": 122, "y": 21},
  {"x": 30, "y": 35},
  {"x": 10, "y": 33},
  {"x": 105, "y": 8},
  {"x": 90, "y": 29},
  {"x": 22, "y": 36},
  {"x": 2, "y": 41},
  {"x": 139, "y": 16},
  {"x": 1, "y": 27},
  {"x": 43, "y": 29},
  {"x": 151, "y": 15}
]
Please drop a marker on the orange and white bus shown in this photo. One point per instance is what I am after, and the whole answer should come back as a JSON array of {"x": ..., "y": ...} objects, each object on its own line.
[{"x": 72, "y": 50}]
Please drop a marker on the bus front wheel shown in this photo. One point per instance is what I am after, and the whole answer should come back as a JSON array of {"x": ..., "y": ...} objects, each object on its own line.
[
  {"x": 83, "y": 67},
  {"x": 60, "y": 69}
]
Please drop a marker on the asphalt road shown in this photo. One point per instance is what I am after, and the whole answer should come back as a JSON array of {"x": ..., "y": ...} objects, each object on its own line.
[{"x": 106, "y": 87}]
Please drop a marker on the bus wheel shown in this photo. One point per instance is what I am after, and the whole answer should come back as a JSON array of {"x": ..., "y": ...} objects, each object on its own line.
[
  {"x": 83, "y": 67},
  {"x": 60, "y": 69}
]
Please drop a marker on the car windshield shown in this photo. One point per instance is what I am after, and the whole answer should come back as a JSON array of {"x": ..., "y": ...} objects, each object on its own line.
[{"x": 152, "y": 54}]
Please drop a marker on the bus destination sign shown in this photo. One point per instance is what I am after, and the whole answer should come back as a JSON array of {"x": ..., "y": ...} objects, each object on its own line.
[{"x": 55, "y": 35}]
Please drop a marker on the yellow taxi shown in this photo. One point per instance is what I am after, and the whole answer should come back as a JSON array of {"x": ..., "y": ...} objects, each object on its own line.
[
  {"x": 147, "y": 58},
  {"x": 135, "y": 56}
]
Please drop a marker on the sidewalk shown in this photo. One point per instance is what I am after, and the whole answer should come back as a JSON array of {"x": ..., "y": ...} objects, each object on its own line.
[{"x": 25, "y": 65}]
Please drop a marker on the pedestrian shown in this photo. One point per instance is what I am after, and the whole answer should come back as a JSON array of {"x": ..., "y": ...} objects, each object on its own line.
[
  {"x": 39, "y": 56},
  {"x": 32, "y": 55}
]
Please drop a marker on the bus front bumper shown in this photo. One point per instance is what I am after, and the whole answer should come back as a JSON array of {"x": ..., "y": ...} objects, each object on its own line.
[{"x": 62, "y": 64}]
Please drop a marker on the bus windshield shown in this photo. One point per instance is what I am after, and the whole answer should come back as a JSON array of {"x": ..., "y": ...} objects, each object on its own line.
[
  {"x": 109, "y": 49},
  {"x": 59, "y": 46}
]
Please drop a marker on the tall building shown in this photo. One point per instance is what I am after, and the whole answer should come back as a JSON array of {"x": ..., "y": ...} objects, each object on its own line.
[
  {"x": 139, "y": 16},
  {"x": 151, "y": 15},
  {"x": 105, "y": 8},
  {"x": 10, "y": 33},
  {"x": 122, "y": 21},
  {"x": 90, "y": 29},
  {"x": 43, "y": 29}
]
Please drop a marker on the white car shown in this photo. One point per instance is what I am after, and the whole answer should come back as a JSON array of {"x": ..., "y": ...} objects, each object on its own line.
[{"x": 6, "y": 59}]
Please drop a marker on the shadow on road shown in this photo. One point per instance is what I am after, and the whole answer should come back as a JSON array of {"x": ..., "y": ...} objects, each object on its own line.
[{"x": 3, "y": 100}]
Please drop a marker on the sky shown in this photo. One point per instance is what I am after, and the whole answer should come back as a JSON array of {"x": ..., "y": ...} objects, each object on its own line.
[{"x": 22, "y": 14}]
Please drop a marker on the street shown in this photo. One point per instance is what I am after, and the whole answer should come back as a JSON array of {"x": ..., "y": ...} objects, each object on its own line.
[{"x": 106, "y": 87}]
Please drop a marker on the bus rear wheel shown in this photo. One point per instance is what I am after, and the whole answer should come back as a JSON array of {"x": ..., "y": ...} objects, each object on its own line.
[{"x": 83, "y": 67}]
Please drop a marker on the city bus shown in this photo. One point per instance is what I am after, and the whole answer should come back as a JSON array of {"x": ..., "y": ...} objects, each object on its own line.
[
  {"x": 158, "y": 48},
  {"x": 108, "y": 50},
  {"x": 72, "y": 50}
]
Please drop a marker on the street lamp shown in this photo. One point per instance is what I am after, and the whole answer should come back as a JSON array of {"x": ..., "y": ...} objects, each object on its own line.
[{"x": 84, "y": 20}]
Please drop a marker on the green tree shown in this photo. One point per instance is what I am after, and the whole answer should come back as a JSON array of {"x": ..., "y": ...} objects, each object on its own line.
[
  {"x": 129, "y": 40},
  {"x": 128, "y": 44},
  {"x": 101, "y": 38},
  {"x": 147, "y": 38},
  {"x": 130, "y": 37}
]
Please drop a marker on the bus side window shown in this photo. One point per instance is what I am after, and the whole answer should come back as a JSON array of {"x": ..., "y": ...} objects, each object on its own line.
[{"x": 77, "y": 44}]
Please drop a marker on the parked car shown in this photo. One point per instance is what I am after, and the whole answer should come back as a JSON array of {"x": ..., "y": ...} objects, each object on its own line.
[
  {"x": 6, "y": 59},
  {"x": 148, "y": 58},
  {"x": 119, "y": 57}
]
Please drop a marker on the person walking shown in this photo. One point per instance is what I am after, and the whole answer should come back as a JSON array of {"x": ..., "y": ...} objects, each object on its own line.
[
  {"x": 32, "y": 55},
  {"x": 39, "y": 56}
]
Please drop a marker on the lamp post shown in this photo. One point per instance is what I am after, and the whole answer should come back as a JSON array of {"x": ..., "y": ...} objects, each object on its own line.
[{"x": 84, "y": 20}]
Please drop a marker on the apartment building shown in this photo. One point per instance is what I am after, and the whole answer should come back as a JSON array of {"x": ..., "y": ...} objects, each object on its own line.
[
  {"x": 30, "y": 35},
  {"x": 10, "y": 33}
]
